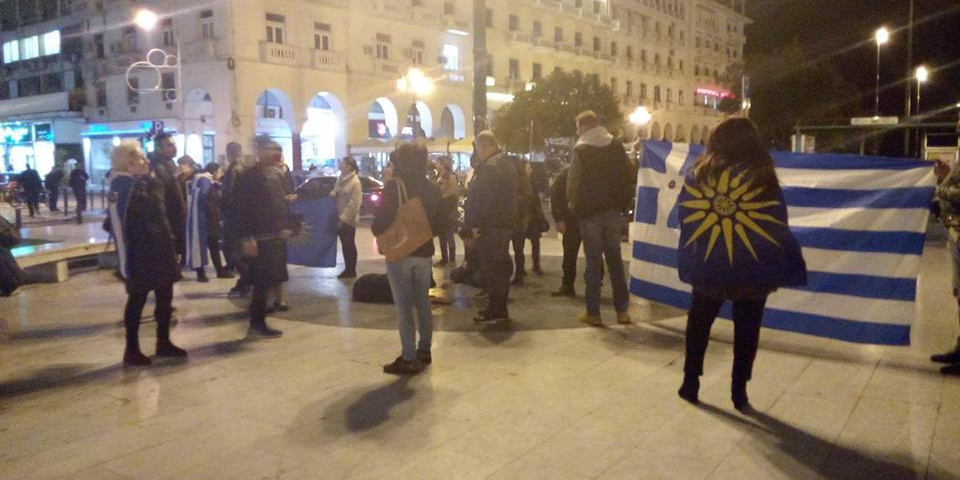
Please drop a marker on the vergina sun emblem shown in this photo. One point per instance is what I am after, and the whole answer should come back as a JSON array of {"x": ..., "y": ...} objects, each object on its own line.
[{"x": 724, "y": 206}]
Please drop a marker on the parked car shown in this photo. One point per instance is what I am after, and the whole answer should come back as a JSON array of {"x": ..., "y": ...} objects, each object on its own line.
[{"x": 318, "y": 187}]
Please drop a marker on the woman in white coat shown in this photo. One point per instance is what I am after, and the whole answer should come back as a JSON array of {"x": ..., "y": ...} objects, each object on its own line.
[{"x": 349, "y": 195}]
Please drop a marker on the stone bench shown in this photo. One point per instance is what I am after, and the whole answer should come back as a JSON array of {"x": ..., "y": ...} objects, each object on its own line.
[{"x": 50, "y": 263}]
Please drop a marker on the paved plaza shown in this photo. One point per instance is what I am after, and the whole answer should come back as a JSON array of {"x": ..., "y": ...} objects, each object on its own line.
[{"x": 542, "y": 398}]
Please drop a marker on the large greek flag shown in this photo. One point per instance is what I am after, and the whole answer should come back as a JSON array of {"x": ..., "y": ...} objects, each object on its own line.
[{"x": 860, "y": 221}]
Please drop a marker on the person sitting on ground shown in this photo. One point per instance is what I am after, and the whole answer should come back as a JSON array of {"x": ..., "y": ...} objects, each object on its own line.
[{"x": 146, "y": 246}]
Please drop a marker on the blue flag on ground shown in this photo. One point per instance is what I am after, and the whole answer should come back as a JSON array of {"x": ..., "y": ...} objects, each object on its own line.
[
  {"x": 315, "y": 245},
  {"x": 860, "y": 222}
]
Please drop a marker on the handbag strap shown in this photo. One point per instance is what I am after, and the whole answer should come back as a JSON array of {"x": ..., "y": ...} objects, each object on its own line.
[{"x": 401, "y": 191}]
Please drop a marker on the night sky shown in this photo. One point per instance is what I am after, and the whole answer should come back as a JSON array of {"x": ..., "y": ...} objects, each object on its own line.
[{"x": 841, "y": 32}]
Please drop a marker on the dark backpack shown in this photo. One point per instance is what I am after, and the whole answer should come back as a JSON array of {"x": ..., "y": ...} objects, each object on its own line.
[{"x": 372, "y": 288}]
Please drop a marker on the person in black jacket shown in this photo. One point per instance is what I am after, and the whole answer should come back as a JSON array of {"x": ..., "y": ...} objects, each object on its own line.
[
  {"x": 165, "y": 170},
  {"x": 490, "y": 217},
  {"x": 567, "y": 225},
  {"x": 599, "y": 188},
  {"x": 263, "y": 229},
  {"x": 410, "y": 276},
  {"x": 52, "y": 183},
  {"x": 145, "y": 244},
  {"x": 231, "y": 244},
  {"x": 78, "y": 183},
  {"x": 32, "y": 188}
]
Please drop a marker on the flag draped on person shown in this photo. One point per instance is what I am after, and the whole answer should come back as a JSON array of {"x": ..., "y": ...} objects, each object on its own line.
[
  {"x": 860, "y": 222},
  {"x": 197, "y": 188}
]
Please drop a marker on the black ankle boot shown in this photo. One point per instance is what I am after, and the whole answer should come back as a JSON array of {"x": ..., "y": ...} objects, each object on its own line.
[
  {"x": 690, "y": 388},
  {"x": 738, "y": 393}
]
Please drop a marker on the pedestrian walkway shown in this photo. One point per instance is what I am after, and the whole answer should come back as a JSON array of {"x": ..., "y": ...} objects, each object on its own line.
[{"x": 545, "y": 398}]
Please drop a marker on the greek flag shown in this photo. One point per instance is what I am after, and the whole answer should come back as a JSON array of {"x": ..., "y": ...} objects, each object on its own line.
[{"x": 860, "y": 222}]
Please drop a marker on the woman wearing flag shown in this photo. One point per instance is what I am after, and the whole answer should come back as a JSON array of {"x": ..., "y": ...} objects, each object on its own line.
[
  {"x": 145, "y": 246},
  {"x": 735, "y": 244}
]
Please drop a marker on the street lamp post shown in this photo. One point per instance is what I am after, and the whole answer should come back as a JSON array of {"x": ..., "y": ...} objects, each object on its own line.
[
  {"x": 922, "y": 74},
  {"x": 882, "y": 36},
  {"x": 415, "y": 83},
  {"x": 158, "y": 61},
  {"x": 640, "y": 117}
]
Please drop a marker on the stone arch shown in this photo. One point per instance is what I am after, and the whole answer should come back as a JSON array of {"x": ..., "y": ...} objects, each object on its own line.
[
  {"x": 382, "y": 119},
  {"x": 694, "y": 135},
  {"x": 453, "y": 123},
  {"x": 323, "y": 138},
  {"x": 198, "y": 119},
  {"x": 419, "y": 111},
  {"x": 680, "y": 135},
  {"x": 705, "y": 137},
  {"x": 655, "y": 131},
  {"x": 274, "y": 114},
  {"x": 668, "y": 133}
]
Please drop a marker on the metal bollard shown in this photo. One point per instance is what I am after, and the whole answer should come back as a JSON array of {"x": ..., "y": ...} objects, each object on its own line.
[{"x": 19, "y": 219}]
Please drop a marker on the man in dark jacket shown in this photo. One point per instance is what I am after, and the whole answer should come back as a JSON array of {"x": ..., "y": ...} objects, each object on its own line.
[
  {"x": 263, "y": 229},
  {"x": 490, "y": 215},
  {"x": 165, "y": 170},
  {"x": 52, "y": 182},
  {"x": 599, "y": 189},
  {"x": 78, "y": 183},
  {"x": 567, "y": 225},
  {"x": 32, "y": 187},
  {"x": 228, "y": 207}
]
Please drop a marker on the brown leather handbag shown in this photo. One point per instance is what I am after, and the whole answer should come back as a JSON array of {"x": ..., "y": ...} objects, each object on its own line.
[{"x": 410, "y": 228}]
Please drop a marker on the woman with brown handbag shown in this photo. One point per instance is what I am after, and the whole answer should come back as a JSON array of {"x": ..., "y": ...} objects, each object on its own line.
[{"x": 406, "y": 199}]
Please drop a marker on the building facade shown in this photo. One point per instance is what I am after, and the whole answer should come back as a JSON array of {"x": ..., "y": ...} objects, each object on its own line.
[{"x": 321, "y": 75}]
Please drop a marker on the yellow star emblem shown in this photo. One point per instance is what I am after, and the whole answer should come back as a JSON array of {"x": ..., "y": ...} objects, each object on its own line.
[{"x": 725, "y": 206}]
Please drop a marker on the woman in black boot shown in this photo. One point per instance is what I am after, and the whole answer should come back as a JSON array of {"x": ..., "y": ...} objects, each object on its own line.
[
  {"x": 145, "y": 247},
  {"x": 735, "y": 245}
]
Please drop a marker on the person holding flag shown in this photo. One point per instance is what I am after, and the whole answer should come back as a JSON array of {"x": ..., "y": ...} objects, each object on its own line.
[{"x": 736, "y": 245}]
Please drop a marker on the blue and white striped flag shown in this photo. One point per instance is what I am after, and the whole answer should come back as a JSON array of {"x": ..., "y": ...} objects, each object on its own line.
[{"x": 861, "y": 223}]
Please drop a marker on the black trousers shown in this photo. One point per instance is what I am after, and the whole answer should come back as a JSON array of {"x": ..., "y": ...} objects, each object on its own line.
[
  {"x": 213, "y": 246},
  {"x": 348, "y": 242},
  {"x": 520, "y": 258},
  {"x": 258, "y": 304},
  {"x": 81, "y": 197},
  {"x": 53, "y": 196},
  {"x": 571, "y": 249},
  {"x": 134, "y": 311},
  {"x": 33, "y": 204},
  {"x": 747, "y": 317},
  {"x": 493, "y": 257}
]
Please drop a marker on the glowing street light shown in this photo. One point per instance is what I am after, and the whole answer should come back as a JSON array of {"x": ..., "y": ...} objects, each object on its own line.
[
  {"x": 146, "y": 19},
  {"x": 882, "y": 36},
  {"x": 415, "y": 83},
  {"x": 640, "y": 117}
]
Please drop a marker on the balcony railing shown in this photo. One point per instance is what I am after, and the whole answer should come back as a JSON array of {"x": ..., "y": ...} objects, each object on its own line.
[
  {"x": 202, "y": 50},
  {"x": 392, "y": 10},
  {"x": 387, "y": 68},
  {"x": 327, "y": 60},
  {"x": 517, "y": 37},
  {"x": 278, "y": 53}
]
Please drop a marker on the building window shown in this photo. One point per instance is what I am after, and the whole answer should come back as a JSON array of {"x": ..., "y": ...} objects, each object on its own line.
[
  {"x": 669, "y": 95},
  {"x": 11, "y": 51},
  {"x": 629, "y": 52},
  {"x": 321, "y": 36},
  {"x": 514, "y": 23},
  {"x": 613, "y": 85},
  {"x": 449, "y": 8},
  {"x": 596, "y": 44},
  {"x": 101, "y": 89},
  {"x": 206, "y": 24},
  {"x": 537, "y": 29},
  {"x": 613, "y": 49},
  {"x": 168, "y": 83},
  {"x": 629, "y": 91},
  {"x": 578, "y": 39},
  {"x": 558, "y": 34},
  {"x": 130, "y": 39},
  {"x": 383, "y": 46},
  {"x": 514, "y": 69},
  {"x": 680, "y": 97},
  {"x": 643, "y": 91},
  {"x": 416, "y": 52},
  {"x": 51, "y": 43},
  {"x": 30, "y": 47},
  {"x": 52, "y": 83},
  {"x": 168, "y": 37},
  {"x": 133, "y": 96},
  {"x": 656, "y": 93},
  {"x": 489, "y": 18},
  {"x": 451, "y": 56},
  {"x": 537, "y": 71},
  {"x": 275, "y": 27}
]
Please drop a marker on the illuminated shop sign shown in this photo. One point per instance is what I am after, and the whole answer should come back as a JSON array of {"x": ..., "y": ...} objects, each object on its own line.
[
  {"x": 15, "y": 133},
  {"x": 713, "y": 93},
  {"x": 43, "y": 132}
]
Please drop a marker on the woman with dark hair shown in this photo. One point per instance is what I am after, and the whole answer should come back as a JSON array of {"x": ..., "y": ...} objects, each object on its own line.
[
  {"x": 449, "y": 185},
  {"x": 410, "y": 276},
  {"x": 349, "y": 195},
  {"x": 145, "y": 246},
  {"x": 735, "y": 245}
]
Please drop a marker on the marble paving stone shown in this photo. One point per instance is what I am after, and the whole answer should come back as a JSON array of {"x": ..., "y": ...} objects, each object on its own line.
[{"x": 545, "y": 397}]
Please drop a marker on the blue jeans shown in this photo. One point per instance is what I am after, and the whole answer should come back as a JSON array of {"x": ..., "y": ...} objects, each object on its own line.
[
  {"x": 410, "y": 284},
  {"x": 601, "y": 239}
]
